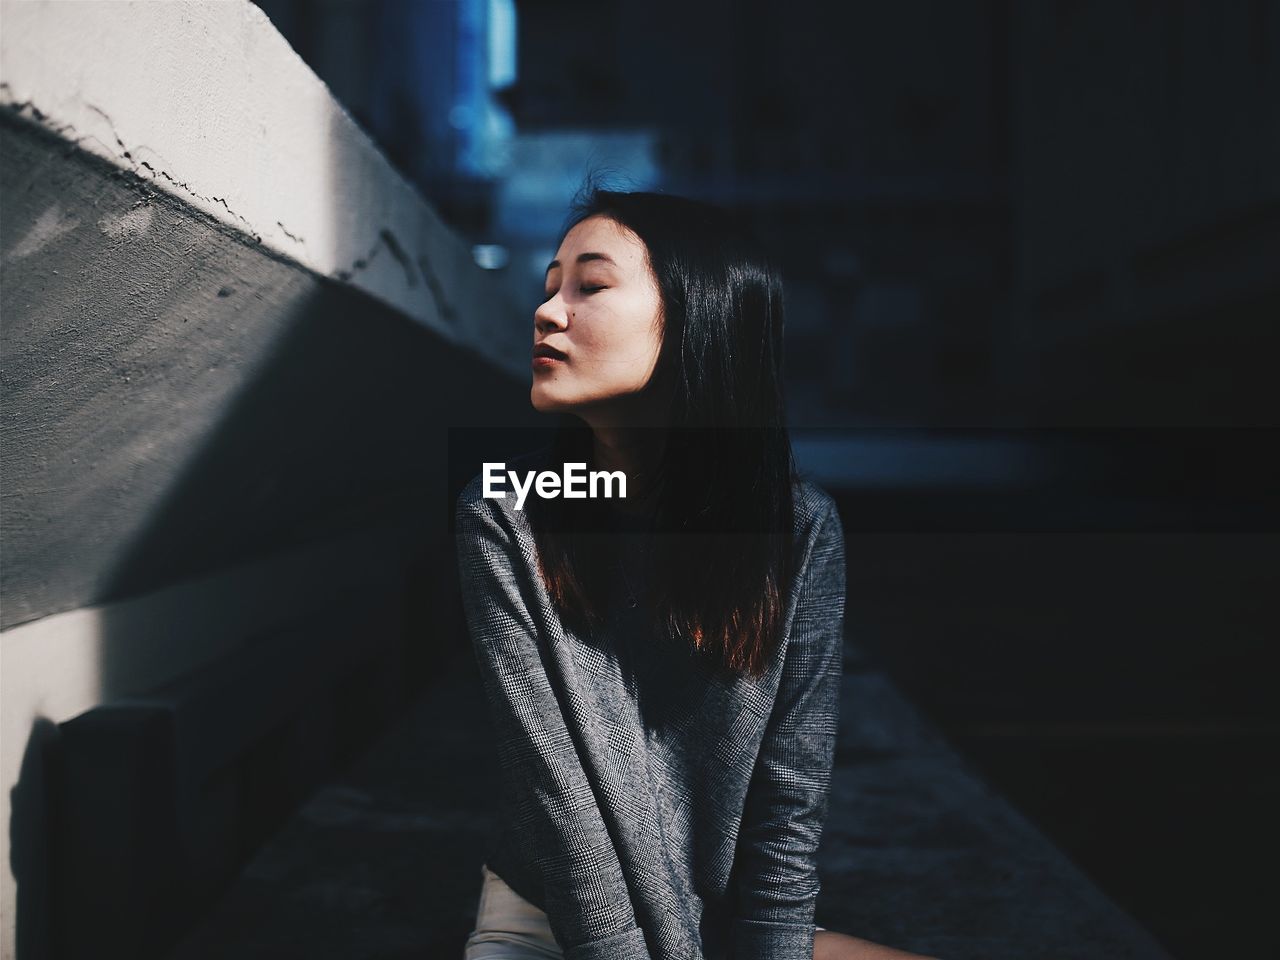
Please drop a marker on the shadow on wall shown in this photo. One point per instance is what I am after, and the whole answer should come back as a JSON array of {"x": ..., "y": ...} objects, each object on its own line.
[{"x": 29, "y": 842}]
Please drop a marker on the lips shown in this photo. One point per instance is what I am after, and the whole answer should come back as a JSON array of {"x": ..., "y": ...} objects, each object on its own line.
[{"x": 542, "y": 350}]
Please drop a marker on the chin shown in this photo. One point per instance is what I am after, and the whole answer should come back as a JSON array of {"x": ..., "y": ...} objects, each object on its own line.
[{"x": 544, "y": 403}]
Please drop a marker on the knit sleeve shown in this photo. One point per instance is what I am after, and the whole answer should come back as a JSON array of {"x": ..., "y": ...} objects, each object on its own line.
[
  {"x": 558, "y": 819},
  {"x": 787, "y": 799}
]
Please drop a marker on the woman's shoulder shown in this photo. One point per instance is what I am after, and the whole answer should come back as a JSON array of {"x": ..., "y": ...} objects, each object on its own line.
[
  {"x": 813, "y": 504},
  {"x": 490, "y": 488},
  {"x": 488, "y": 524},
  {"x": 820, "y": 534}
]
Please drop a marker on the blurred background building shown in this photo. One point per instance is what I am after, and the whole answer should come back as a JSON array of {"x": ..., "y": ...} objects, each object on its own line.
[{"x": 990, "y": 213}]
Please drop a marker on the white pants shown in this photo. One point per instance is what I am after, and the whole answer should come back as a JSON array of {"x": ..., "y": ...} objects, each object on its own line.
[{"x": 509, "y": 927}]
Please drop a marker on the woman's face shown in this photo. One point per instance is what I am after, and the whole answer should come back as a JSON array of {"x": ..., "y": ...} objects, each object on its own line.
[{"x": 603, "y": 313}]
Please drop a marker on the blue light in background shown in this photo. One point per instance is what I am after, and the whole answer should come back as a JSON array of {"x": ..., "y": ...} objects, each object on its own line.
[
  {"x": 490, "y": 256},
  {"x": 502, "y": 43},
  {"x": 484, "y": 47}
]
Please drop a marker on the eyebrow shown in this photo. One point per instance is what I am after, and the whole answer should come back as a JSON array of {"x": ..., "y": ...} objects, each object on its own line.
[{"x": 583, "y": 258}]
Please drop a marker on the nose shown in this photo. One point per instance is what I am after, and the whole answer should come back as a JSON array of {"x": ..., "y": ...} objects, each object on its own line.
[{"x": 550, "y": 315}]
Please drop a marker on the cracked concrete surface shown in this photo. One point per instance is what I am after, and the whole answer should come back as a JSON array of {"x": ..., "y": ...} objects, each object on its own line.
[{"x": 208, "y": 103}]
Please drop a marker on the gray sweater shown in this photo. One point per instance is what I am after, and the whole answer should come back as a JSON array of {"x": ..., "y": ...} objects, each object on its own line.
[{"x": 652, "y": 807}]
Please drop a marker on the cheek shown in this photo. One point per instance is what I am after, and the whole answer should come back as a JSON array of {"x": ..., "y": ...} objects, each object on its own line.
[
  {"x": 617, "y": 346},
  {"x": 601, "y": 333},
  {"x": 634, "y": 330}
]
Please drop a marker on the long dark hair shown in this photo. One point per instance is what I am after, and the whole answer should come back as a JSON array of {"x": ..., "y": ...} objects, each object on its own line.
[{"x": 724, "y": 498}]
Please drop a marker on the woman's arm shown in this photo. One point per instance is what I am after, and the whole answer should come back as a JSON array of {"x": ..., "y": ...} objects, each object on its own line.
[
  {"x": 786, "y": 806},
  {"x": 559, "y": 821}
]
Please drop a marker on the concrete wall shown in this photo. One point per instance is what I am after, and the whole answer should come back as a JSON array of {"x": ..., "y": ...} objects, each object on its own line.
[
  {"x": 234, "y": 342},
  {"x": 207, "y": 102}
]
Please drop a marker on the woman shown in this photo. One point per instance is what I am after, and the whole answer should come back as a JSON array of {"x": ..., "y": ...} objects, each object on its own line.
[{"x": 663, "y": 670}]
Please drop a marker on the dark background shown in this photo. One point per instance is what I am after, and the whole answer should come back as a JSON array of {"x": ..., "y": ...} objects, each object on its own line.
[{"x": 1050, "y": 228}]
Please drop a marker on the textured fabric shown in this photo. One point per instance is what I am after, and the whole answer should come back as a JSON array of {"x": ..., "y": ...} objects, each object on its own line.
[
  {"x": 654, "y": 808},
  {"x": 509, "y": 927}
]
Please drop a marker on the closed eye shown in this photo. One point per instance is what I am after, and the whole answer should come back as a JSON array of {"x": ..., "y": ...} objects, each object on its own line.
[{"x": 547, "y": 295}]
